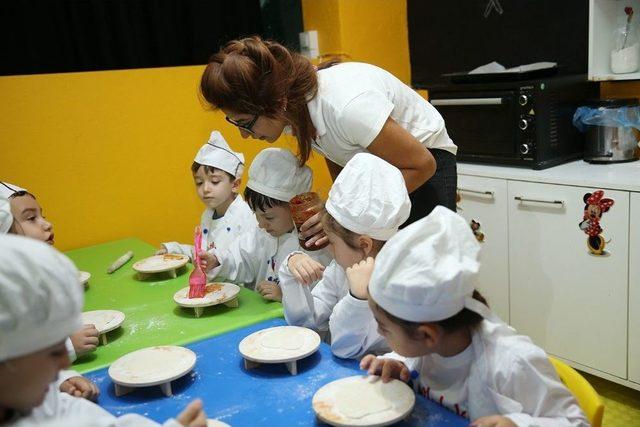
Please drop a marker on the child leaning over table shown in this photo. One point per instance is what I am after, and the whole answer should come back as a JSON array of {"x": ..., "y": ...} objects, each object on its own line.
[
  {"x": 443, "y": 334},
  {"x": 367, "y": 204}
]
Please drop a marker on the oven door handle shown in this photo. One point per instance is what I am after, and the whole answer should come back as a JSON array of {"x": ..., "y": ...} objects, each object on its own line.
[{"x": 467, "y": 101}]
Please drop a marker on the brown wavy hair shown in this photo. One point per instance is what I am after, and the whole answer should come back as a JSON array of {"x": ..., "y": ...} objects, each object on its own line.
[
  {"x": 255, "y": 76},
  {"x": 349, "y": 237}
]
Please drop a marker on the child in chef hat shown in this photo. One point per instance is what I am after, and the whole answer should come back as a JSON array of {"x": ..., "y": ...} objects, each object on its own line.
[
  {"x": 21, "y": 214},
  {"x": 40, "y": 304},
  {"x": 422, "y": 294},
  {"x": 27, "y": 214},
  {"x": 217, "y": 171},
  {"x": 274, "y": 179},
  {"x": 367, "y": 204}
]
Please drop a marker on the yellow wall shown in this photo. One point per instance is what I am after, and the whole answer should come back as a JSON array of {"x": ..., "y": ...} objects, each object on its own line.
[
  {"x": 108, "y": 153},
  {"x": 324, "y": 17},
  {"x": 373, "y": 31}
]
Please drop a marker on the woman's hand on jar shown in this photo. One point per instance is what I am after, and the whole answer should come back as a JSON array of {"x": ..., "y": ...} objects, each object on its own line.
[{"x": 312, "y": 232}]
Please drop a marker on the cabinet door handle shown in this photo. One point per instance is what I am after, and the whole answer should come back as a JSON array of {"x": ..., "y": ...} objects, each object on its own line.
[
  {"x": 550, "y": 202},
  {"x": 484, "y": 193}
]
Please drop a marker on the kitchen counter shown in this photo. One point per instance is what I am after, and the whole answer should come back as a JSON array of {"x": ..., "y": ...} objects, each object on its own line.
[{"x": 618, "y": 176}]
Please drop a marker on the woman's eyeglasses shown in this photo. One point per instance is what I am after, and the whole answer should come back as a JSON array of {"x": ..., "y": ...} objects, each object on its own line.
[{"x": 246, "y": 126}]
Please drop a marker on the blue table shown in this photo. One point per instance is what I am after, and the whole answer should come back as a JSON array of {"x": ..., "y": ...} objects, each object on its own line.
[{"x": 265, "y": 396}]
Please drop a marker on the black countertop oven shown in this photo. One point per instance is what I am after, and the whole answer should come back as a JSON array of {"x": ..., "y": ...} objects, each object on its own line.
[{"x": 523, "y": 123}]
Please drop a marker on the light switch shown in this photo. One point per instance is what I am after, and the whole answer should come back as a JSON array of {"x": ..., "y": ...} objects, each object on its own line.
[{"x": 309, "y": 44}]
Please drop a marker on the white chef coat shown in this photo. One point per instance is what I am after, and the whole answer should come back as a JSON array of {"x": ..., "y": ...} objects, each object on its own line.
[
  {"x": 329, "y": 306},
  {"x": 256, "y": 256},
  {"x": 220, "y": 231}
]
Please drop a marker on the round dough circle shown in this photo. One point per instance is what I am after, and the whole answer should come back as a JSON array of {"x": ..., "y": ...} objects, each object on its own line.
[
  {"x": 152, "y": 366},
  {"x": 160, "y": 263},
  {"x": 104, "y": 320},
  {"x": 363, "y": 401},
  {"x": 279, "y": 344},
  {"x": 217, "y": 293}
]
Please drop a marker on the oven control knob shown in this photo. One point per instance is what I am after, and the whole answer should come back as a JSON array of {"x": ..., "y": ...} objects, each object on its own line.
[
  {"x": 523, "y": 99},
  {"x": 523, "y": 124},
  {"x": 524, "y": 149}
]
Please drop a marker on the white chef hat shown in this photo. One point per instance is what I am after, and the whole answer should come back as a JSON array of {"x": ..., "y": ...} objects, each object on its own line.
[
  {"x": 6, "y": 219},
  {"x": 217, "y": 153},
  {"x": 7, "y": 190},
  {"x": 275, "y": 173},
  {"x": 427, "y": 271},
  {"x": 370, "y": 197},
  {"x": 40, "y": 296}
]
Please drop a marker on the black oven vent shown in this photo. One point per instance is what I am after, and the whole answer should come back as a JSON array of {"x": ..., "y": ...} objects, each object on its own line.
[{"x": 553, "y": 120}]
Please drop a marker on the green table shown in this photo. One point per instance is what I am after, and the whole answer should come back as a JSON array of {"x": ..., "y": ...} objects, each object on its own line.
[{"x": 152, "y": 317}]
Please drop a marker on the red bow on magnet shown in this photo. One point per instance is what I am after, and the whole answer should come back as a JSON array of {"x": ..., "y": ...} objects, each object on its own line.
[{"x": 596, "y": 199}]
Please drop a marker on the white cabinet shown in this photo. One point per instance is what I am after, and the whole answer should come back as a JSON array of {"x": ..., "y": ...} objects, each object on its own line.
[
  {"x": 571, "y": 303},
  {"x": 580, "y": 307},
  {"x": 634, "y": 289},
  {"x": 484, "y": 200}
]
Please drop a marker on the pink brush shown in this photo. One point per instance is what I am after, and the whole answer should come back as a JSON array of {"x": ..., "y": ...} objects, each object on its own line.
[{"x": 197, "y": 278}]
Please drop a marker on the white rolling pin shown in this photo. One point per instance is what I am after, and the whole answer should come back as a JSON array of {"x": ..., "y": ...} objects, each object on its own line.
[{"x": 120, "y": 262}]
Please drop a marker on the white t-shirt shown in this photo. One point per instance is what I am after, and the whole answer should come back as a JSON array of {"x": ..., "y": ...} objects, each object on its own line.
[
  {"x": 354, "y": 101},
  {"x": 445, "y": 379}
]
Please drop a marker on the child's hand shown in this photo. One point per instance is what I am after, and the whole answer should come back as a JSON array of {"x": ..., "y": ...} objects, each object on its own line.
[
  {"x": 193, "y": 415},
  {"x": 80, "y": 387},
  {"x": 386, "y": 368},
  {"x": 85, "y": 340},
  {"x": 493, "y": 421},
  {"x": 162, "y": 250},
  {"x": 305, "y": 269},
  {"x": 208, "y": 261},
  {"x": 313, "y": 232},
  {"x": 359, "y": 275},
  {"x": 269, "y": 290}
]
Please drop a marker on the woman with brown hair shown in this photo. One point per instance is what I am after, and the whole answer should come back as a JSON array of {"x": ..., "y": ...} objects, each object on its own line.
[{"x": 338, "y": 110}]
